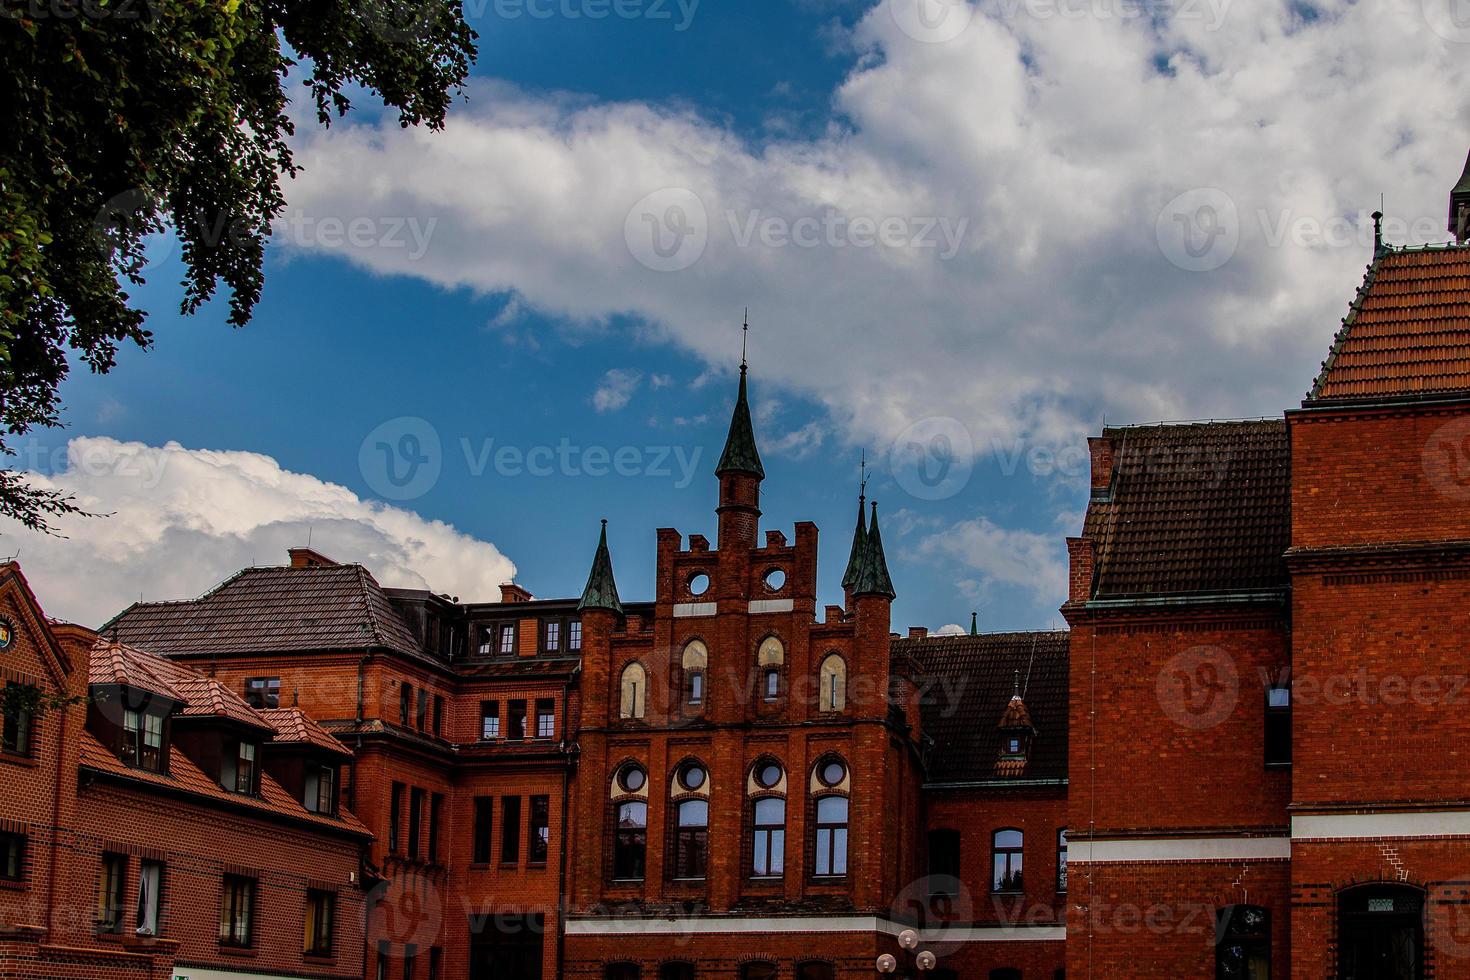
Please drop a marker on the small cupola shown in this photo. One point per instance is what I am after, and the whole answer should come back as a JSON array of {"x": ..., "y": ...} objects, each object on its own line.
[
  {"x": 1016, "y": 735},
  {"x": 1460, "y": 206}
]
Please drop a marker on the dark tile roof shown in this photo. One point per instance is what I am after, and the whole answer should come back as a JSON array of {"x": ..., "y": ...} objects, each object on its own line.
[
  {"x": 967, "y": 683},
  {"x": 1193, "y": 508},
  {"x": 1407, "y": 334},
  {"x": 273, "y": 610}
]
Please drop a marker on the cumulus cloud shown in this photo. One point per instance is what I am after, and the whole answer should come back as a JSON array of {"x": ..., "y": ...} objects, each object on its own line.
[
  {"x": 951, "y": 629},
  {"x": 616, "y": 389},
  {"x": 181, "y": 520},
  {"x": 1045, "y": 146},
  {"x": 989, "y": 555}
]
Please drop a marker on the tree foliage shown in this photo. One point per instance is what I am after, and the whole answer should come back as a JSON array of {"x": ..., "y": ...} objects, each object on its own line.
[{"x": 120, "y": 118}]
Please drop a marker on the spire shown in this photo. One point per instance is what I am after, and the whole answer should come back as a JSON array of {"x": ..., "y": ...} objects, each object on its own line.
[
  {"x": 859, "y": 534},
  {"x": 602, "y": 590},
  {"x": 974, "y": 629},
  {"x": 1460, "y": 206},
  {"x": 873, "y": 578},
  {"x": 740, "y": 455}
]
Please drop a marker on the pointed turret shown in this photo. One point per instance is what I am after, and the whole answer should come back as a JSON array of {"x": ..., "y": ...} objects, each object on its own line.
[
  {"x": 873, "y": 578},
  {"x": 859, "y": 549},
  {"x": 974, "y": 620},
  {"x": 1460, "y": 206},
  {"x": 740, "y": 455},
  {"x": 602, "y": 590}
]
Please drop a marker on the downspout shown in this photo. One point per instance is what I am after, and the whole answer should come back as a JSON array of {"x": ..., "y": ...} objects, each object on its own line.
[{"x": 566, "y": 791}]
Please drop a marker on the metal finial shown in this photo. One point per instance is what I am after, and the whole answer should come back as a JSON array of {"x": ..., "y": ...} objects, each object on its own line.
[
  {"x": 1017, "y": 692},
  {"x": 863, "y": 475},
  {"x": 744, "y": 335}
]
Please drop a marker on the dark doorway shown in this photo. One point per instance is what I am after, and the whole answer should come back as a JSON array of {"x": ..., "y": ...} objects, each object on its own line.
[
  {"x": 506, "y": 947},
  {"x": 1380, "y": 933}
]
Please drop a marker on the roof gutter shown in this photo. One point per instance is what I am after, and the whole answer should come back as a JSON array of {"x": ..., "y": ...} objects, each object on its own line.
[{"x": 1263, "y": 596}]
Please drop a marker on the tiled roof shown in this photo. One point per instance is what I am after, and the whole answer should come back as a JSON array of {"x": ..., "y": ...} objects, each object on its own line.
[
  {"x": 185, "y": 777},
  {"x": 1193, "y": 508},
  {"x": 294, "y": 727},
  {"x": 967, "y": 683},
  {"x": 113, "y": 663},
  {"x": 1408, "y": 332},
  {"x": 273, "y": 610}
]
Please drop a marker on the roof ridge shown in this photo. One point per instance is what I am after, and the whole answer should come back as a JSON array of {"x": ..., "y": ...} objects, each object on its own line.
[{"x": 1340, "y": 338}]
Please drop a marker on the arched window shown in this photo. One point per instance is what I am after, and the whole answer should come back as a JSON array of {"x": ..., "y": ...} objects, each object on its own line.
[
  {"x": 621, "y": 971},
  {"x": 758, "y": 971},
  {"x": 833, "y": 677},
  {"x": 1243, "y": 949},
  {"x": 634, "y": 691},
  {"x": 769, "y": 852},
  {"x": 630, "y": 849},
  {"x": 769, "y": 659},
  {"x": 815, "y": 970},
  {"x": 691, "y": 839},
  {"x": 831, "y": 857},
  {"x": 676, "y": 971},
  {"x": 1007, "y": 859},
  {"x": 695, "y": 663}
]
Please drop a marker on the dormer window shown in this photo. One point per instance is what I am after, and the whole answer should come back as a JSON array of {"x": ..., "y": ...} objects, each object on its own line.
[
  {"x": 237, "y": 772},
  {"x": 142, "y": 739},
  {"x": 321, "y": 787}
]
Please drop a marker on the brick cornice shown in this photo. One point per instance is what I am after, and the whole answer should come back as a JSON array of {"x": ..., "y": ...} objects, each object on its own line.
[{"x": 1392, "y": 555}]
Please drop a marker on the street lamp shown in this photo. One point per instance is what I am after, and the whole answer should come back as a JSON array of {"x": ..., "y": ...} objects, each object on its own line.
[{"x": 908, "y": 940}]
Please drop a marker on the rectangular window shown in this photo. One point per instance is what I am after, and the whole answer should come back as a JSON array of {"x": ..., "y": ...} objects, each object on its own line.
[
  {"x": 410, "y": 960},
  {"x": 546, "y": 718},
  {"x": 1062, "y": 861},
  {"x": 489, "y": 720},
  {"x": 421, "y": 713},
  {"x": 831, "y": 837},
  {"x": 321, "y": 783},
  {"x": 574, "y": 635},
  {"x": 263, "y": 692},
  {"x": 553, "y": 637},
  {"x": 237, "y": 911},
  {"x": 384, "y": 950},
  {"x": 510, "y": 830},
  {"x": 12, "y": 857},
  {"x": 142, "y": 739},
  {"x": 1006, "y": 861},
  {"x": 150, "y": 899},
  {"x": 405, "y": 703},
  {"x": 321, "y": 909},
  {"x": 15, "y": 733},
  {"x": 484, "y": 819},
  {"x": 508, "y": 638},
  {"x": 540, "y": 835},
  {"x": 395, "y": 818},
  {"x": 516, "y": 726},
  {"x": 438, "y": 715},
  {"x": 487, "y": 641},
  {"x": 110, "y": 886},
  {"x": 436, "y": 964},
  {"x": 245, "y": 769},
  {"x": 944, "y": 861},
  {"x": 415, "y": 821},
  {"x": 436, "y": 814},
  {"x": 1278, "y": 724}
]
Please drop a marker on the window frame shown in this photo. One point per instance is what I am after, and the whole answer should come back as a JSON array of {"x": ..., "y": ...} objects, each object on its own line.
[
  {"x": 1062, "y": 861},
  {"x": 515, "y": 728},
  {"x": 545, "y": 719},
  {"x": 768, "y": 841},
  {"x": 321, "y": 904},
  {"x": 1276, "y": 727},
  {"x": 691, "y": 840},
  {"x": 630, "y": 842},
  {"x": 236, "y": 890},
  {"x": 1015, "y": 862},
  {"x": 436, "y": 821},
  {"x": 551, "y": 635},
  {"x": 574, "y": 636},
  {"x": 395, "y": 818},
  {"x": 538, "y": 831},
  {"x": 416, "y": 798},
  {"x": 482, "y": 841},
  {"x": 510, "y": 831},
  {"x": 268, "y": 694},
  {"x": 489, "y": 713},
  {"x": 13, "y": 844},
  {"x": 112, "y": 884},
  {"x": 17, "y": 728},
  {"x": 154, "y": 908},
  {"x": 833, "y": 832}
]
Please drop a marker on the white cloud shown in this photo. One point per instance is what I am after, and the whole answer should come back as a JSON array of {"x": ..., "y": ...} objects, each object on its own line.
[
  {"x": 616, "y": 389},
  {"x": 1055, "y": 141},
  {"x": 799, "y": 443},
  {"x": 952, "y": 629},
  {"x": 992, "y": 555},
  {"x": 182, "y": 520}
]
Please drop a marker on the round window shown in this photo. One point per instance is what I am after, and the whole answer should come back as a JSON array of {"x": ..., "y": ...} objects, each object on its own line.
[
  {"x": 692, "y": 776},
  {"x": 775, "y": 579},
  {"x": 699, "y": 584},
  {"x": 768, "y": 775},
  {"x": 631, "y": 779},
  {"x": 832, "y": 773}
]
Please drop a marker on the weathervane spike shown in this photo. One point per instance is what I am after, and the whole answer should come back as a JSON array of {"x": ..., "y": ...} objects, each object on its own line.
[
  {"x": 744, "y": 334},
  {"x": 863, "y": 474}
]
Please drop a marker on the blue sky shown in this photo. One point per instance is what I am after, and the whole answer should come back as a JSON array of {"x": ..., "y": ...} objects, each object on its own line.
[{"x": 1058, "y": 152}]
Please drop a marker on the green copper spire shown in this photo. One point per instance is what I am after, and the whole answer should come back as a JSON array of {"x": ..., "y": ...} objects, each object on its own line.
[
  {"x": 859, "y": 548},
  {"x": 873, "y": 578},
  {"x": 974, "y": 630},
  {"x": 1459, "y": 201},
  {"x": 740, "y": 455},
  {"x": 602, "y": 590}
]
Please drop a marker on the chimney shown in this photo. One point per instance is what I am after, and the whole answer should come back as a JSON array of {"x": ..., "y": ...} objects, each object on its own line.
[
  {"x": 918, "y": 632},
  {"x": 307, "y": 558},
  {"x": 1103, "y": 453},
  {"x": 1080, "y": 562},
  {"x": 510, "y": 592}
]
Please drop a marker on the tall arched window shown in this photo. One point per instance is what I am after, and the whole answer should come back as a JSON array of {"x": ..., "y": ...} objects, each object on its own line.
[
  {"x": 695, "y": 663},
  {"x": 630, "y": 848},
  {"x": 833, "y": 678},
  {"x": 691, "y": 839},
  {"x": 621, "y": 971},
  {"x": 769, "y": 852},
  {"x": 769, "y": 659},
  {"x": 634, "y": 691},
  {"x": 1007, "y": 860},
  {"x": 831, "y": 856}
]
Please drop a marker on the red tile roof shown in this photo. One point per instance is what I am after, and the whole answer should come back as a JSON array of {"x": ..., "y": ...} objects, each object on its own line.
[
  {"x": 273, "y": 610},
  {"x": 119, "y": 663},
  {"x": 294, "y": 727},
  {"x": 1193, "y": 508},
  {"x": 1408, "y": 332},
  {"x": 966, "y": 685}
]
